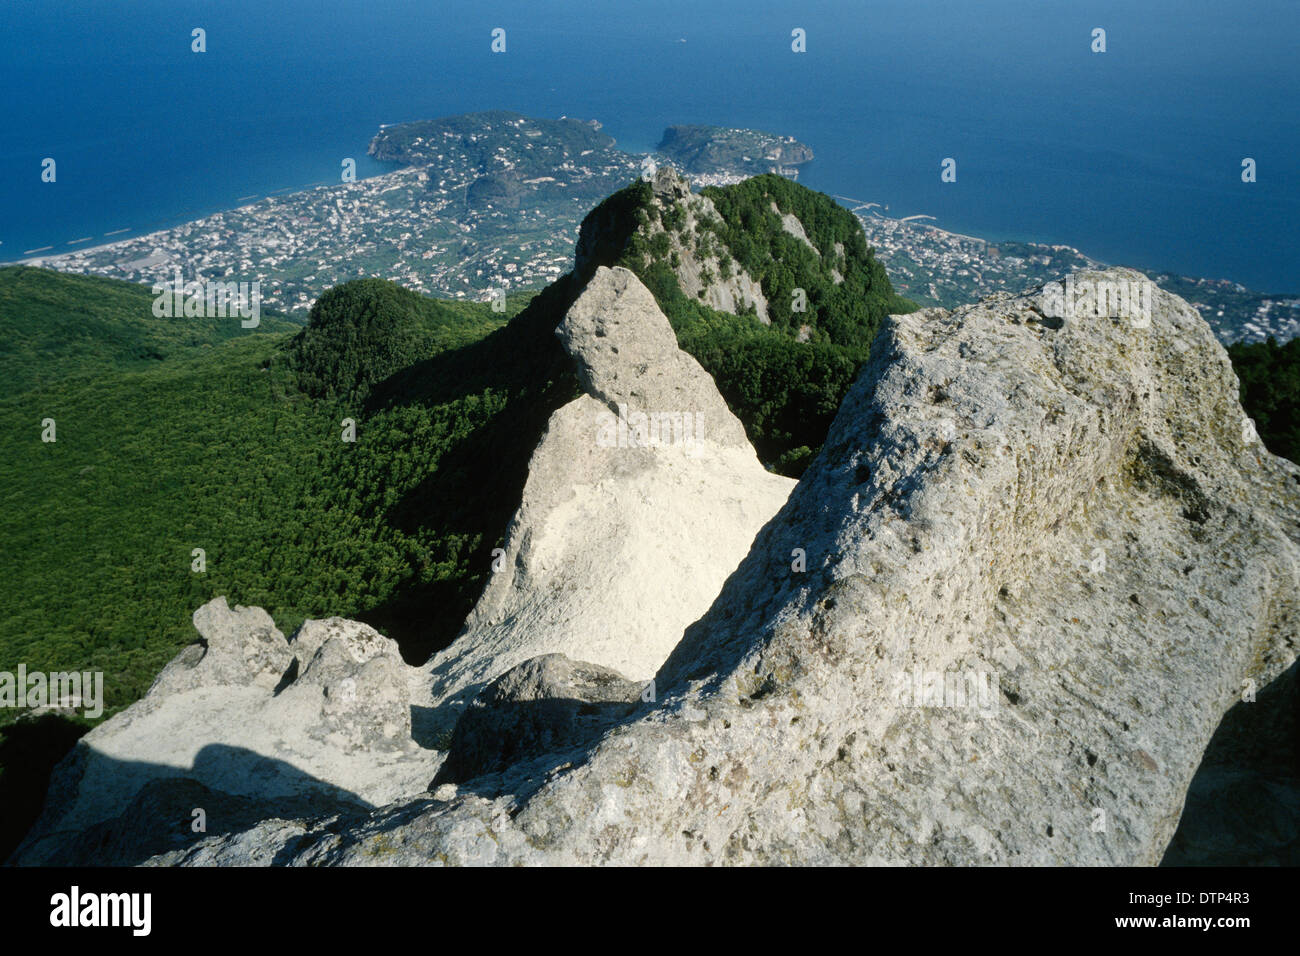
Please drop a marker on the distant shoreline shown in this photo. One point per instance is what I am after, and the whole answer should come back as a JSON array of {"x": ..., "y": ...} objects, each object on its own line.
[
  {"x": 70, "y": 248},
  {"x": 55, "y": 257},
  {"x": 28, "y": 260},
  {"x": 102, "y": 247}
]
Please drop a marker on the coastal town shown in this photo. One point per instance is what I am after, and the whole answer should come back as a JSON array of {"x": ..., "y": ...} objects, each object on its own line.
[
  {"x": 932, "y": 266},
  {"x": 482, "y": 202},
  {"x": 493, "y": 201},
  {"x": 482, "y": 214}
]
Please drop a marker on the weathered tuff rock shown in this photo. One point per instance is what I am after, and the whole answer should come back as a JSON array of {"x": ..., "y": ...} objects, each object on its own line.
[
  {"x": 624, "y": 535},
  {"x": 259, "y": 722},
  {"x": 626, "y": 354},
  {"x": 1000, "y": 620},
  {"x": 546, "y": 704},
  {"x": 239, "y": 647},
  {"x": 616, "y": 548},
  {"x": 1065, "y": 513}
]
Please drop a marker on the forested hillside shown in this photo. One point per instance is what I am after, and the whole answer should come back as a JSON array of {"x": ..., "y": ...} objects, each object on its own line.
[
  {"x": 1270, "y": 392},
  {"x": 235, "y": 447},
  {"x": 233, "y": 444},
  {"x": 56, "y": 328},
  {"x": 785, "y": 380},
  {"x": 366, "y": 465}
]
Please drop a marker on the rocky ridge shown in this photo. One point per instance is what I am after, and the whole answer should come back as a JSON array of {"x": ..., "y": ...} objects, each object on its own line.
[
  {"x": 698, "y": 268},
  {"x": 627, "y": 527},
  {"x": 643, "y": 495},
  {"x": 1000, "y": 620}
]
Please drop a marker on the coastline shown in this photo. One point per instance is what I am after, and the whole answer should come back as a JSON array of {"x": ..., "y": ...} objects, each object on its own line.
[
  {"x": 104, "y": 247},
  {"x": 71, "y": 255}
]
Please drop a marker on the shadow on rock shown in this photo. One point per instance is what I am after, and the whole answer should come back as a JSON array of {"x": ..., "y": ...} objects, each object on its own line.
[
  {"x": 29, "y": 750},
  {"x": 543, "y": 706},
  {"x": 172, "y": 811},
  {"x": 1243, "y": 805}
]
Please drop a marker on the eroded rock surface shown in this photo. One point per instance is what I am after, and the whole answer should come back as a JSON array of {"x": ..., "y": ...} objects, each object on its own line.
[
  {"x": 626, "y": 355},
  {"x": 542, "y": 706},
  {"x": 643, "y": 495},
  {"x": 229, "y": 716},
  {"x": 1043, "y": 555},
  {"x": 999, "y": 621},
  {"x": 699, "y": 269}
]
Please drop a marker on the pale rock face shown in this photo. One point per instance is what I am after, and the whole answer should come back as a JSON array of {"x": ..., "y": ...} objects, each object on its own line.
[
  {"x": 239, "y": 647},
  {"x": 357, "y": 642},
  {"x": 232, "y": 719},
  {"x": 626, "y": 354},
  {"x": 670, "y": 186},
  {"x": 734, "y": 294},
  {"x": 546, "y": 704},
  {"x": 791, "y": 224},
  {"x": 616, "y": 546},
  {"x": 1067, "y": 516},
  {"x": 362, "y": 684}
]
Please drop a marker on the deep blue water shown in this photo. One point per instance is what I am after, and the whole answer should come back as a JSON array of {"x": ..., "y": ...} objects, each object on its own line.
[{"x": 1133, "y": 155}]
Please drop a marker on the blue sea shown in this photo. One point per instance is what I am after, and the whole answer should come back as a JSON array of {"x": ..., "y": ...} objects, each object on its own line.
[{"x": 1132, "y": 155}]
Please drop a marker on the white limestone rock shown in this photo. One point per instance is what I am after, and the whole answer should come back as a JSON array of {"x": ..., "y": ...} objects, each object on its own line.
[
  {"x": 615, "y": 549},
  {"x": 542, "y": 706},
  {"x": 1044, "y": 554},
  {"x": 240, "y": 646}
]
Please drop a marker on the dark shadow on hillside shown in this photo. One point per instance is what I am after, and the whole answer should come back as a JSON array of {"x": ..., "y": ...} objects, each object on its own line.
[
  {"x": 160, "y": 815},
  {"x": 29, "y": 750},
  {"x": 1243, "y": 805},
  {"x": 473, "y": 491}
]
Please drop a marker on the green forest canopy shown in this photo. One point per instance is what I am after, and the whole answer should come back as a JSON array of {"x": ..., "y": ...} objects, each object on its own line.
[
  {"x": 784, "y": 390},
  {"x": 1270, "y": 392}
]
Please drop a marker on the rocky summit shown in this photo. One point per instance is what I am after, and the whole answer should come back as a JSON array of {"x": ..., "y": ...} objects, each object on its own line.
[
  {"x": 1034, "y": 602},
  {"x": 642, "y": 496},
  {"x": 698, "y": 270}
]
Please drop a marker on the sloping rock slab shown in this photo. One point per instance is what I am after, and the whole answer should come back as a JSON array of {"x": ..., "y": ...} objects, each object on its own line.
[
  {"x": 547, "y": 704},
  {"x": 643, "y": 495},
  {"x": 228, "y": 715}
]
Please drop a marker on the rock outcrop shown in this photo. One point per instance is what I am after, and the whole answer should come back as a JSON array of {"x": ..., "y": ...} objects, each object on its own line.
[
  {"x": 544, "y": 705},
  {"x": 1043, "y": 556},
  {"x": 679, "y": 216},
  {"x": 643, "y": 495},
  {"x": 258, "y": 722},
  {"x": 999, "y": 621}
]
